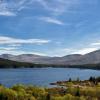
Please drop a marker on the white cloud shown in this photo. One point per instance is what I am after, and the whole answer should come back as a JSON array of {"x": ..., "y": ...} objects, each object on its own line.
[
  {"x": 18, "y": 52},
  {"x": 85, "y": 50},
  {"x": 4, "y": 10},
  {"x": 7, "y": 13},
  {"x": 14, "y": 45},
  {"x": 7, "y": 48},
  {"x": 59, "y": 52},
  {"x": 68, "y": 51},
  {"x": 10, "y": 40},
  {"x": 95, "y": 44},
  {"x": 51, "y": 20},
  {"x": 10, "y": 8}
]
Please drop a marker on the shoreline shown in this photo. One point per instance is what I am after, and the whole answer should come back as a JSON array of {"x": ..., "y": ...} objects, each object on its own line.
[
  {"x": 73, "y": 90},
  {"x": 82, "y": 68}
]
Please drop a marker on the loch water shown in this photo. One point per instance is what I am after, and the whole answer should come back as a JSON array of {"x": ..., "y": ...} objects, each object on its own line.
[{"x": 43, "y": 76}]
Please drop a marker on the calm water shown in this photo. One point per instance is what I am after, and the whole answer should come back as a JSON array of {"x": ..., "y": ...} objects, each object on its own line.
[{"x": 43, "y": 76}]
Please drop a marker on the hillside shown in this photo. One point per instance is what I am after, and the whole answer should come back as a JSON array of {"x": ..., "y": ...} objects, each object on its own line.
[
  {"x": 73, "y": 59},
  {"x": 90, "y": 60},
  {"x": 4, "y": 63}
]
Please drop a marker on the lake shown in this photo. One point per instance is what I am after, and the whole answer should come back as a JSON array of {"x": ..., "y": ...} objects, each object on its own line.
[{"x": 43, "y": 76}]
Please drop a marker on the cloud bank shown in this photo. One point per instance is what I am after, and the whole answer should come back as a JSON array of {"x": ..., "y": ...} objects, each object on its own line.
[{"x": 10, "y": 40}]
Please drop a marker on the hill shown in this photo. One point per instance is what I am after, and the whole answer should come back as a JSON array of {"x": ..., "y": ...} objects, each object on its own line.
[
  {"x": 30, "y": 60},
  {"x": 74, "y": 59}
]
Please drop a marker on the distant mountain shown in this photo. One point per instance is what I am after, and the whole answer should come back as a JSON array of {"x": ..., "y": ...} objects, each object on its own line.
[
  {"x": 90, "y": 58},
  {"x": 4, "y": 63},
  {"x": 74, "y": 59},
  {"x": 6, "y": 56},
  {"x": 31, "y": 58}
]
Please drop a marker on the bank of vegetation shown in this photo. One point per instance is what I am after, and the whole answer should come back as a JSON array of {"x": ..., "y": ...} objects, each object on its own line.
[{"x": 66, "y": 90}]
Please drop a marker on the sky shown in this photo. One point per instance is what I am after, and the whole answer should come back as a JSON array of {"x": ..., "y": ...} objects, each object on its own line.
[{"x": 49, "y": 27}]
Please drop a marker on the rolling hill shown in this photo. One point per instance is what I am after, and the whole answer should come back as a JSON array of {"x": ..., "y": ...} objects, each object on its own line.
[{"x": 74, "y": 59}]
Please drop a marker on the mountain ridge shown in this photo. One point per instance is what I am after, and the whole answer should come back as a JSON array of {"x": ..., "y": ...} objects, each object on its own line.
[{"x": 73, "y": 59}]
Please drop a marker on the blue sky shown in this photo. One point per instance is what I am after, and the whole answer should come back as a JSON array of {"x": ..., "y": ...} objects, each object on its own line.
[{"x": 49, "y": 27}]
